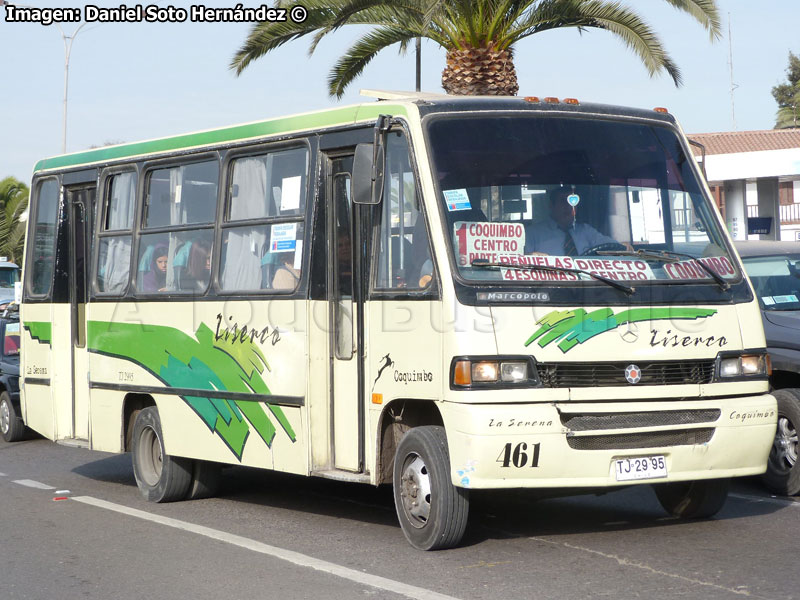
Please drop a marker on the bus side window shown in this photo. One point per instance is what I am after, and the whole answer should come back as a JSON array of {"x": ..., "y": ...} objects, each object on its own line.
[
  {"x": 259, "y": 253},
  {"x": 114, "y": 262},
  {"x": 404, "y": 258},
  {"x": 44, "y": 238}
]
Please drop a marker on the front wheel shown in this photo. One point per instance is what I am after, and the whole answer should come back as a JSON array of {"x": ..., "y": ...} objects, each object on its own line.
[
  {"x": 693, "y": 499},
  {"x": 11, "y": 425},
  {"x": 431, "y": 510},
  {"x": 160, "y": 477},
  {"x": 783, "y": 470}
]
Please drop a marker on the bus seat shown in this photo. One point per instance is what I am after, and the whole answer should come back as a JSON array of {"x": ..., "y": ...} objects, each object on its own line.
[{"x": 144, "y": 264}]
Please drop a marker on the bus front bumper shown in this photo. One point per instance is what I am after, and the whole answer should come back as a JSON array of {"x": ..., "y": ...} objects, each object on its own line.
[{"x": 577, "y": 445}]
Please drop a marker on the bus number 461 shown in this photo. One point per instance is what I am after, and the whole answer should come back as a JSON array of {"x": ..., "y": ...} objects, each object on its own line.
[{"x": 518, "y": 455}]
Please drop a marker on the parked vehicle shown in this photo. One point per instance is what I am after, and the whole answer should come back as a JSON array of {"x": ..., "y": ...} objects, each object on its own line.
[
  {"x": 11, "y": 425},
  {"x": 774, "y": 269},
  {"x": 9, "y": 277}
]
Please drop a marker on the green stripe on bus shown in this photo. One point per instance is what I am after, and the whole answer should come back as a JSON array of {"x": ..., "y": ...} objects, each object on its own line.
[
  {"x": 40, "y": 330},
  {"x": 329, "y": 118}
]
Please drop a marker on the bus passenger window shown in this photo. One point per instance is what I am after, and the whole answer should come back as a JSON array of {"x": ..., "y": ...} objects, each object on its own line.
[
  {"x": 265, "y": 255},
  {"x": 182, "y": 195},
  {"x": 43, "y": 246},
  {"x": 404, "y": 258},
  {"x": 262, "y": 257},
  {"x": 114, "y": 264}
]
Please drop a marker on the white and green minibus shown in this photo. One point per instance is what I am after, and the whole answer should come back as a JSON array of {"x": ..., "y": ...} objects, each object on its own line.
[{"x": 437, "y": 293}]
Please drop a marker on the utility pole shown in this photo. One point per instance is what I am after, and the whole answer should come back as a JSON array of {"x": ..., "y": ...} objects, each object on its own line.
[
  {"x": 419, "y": 64},
  {"x": 68, "y": 40},
  {"x": 730, "y": 63}
]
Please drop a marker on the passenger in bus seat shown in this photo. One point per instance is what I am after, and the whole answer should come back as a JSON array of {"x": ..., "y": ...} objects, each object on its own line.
[
  {"x": 559, "y": 234},
  {"x": 198, "y": 267},
  {"x": 155, "y": 280},
  {"x": 286, "y": 276}
]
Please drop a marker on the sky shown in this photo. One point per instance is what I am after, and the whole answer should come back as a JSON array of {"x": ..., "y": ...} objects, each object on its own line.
[{"x": 136, "y": 81}]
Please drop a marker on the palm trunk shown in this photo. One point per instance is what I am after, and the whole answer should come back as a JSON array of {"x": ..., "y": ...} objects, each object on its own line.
[{"x": 480, "y": 72}]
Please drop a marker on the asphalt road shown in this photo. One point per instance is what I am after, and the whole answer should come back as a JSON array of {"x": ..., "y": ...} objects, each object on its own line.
[{"x": 269, "y": 536}]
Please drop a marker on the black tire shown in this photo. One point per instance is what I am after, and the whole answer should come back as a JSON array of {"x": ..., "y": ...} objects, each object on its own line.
[
  {"x": 693, "y": 499},
  {"x": 783, "y": 468},
  {"x": 11, "y": 426},
  {"x": 431, "y": 510},
  {"x": 160, "y": 477},
  {"x": 206, "y": 477}
]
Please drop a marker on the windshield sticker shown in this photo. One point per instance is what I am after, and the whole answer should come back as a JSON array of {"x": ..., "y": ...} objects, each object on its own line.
[
  {"x": 573, "y": 200},
  {"x": 768, "y": 300},
  {"x": 783, "y": 299},
  {"x": 487, "y": 241},
  {"x": 617, "y": 269},
  {"x": 689, "y": 269},
  {"x": 573, "y": 327},
  {"x": 457, "y": 200},
  {"x": 283, "y": 237}
]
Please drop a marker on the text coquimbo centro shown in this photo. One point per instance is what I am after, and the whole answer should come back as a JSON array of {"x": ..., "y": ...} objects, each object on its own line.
[{"x": 152, "y": 13}]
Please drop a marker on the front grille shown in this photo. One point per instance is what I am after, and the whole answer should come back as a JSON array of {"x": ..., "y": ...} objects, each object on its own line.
[
  {"x": 560, "y": 375},
  {"x": 629, "y": 441},
  {"x": 594, "y": 422}
]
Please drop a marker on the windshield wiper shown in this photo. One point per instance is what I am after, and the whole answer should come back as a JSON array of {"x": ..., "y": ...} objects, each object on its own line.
[
  {"x": 482, "y": 262},
  {"x": 671, "y": 257}
]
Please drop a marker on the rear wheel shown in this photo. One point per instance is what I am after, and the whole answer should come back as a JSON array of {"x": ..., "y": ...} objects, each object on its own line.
[
  {"x": 431, "y": 510},
  {"x": 11, "y": 425},
  {"x": 693, "y": 499},
  {"x": 206, "y": 477},
  {"x": 783, "y": 471},
  {"x": 160, "y": 477}
]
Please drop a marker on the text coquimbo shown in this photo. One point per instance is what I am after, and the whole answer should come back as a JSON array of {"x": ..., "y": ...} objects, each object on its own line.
[{"x": 152, "y": 13}]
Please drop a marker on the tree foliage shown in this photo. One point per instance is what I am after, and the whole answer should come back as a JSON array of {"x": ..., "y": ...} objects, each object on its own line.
[
  {"x": 479, "y": 35},
  {"x": 13, "y": 204},
  {"x": 787, "y": 95}
]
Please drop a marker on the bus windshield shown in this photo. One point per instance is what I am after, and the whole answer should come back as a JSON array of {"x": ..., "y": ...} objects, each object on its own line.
[
  {"x": 8, "y": 276},
  {"x": 612, "y": 198}
]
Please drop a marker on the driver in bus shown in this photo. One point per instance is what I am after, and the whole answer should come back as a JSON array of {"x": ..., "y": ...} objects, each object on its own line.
[{"x": 560, "y": 235}]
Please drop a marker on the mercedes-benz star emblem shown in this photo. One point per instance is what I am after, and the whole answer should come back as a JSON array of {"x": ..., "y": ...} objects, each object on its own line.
[
  {"x": 633, "y": 374},
  {"x": 630, "y": 334}
]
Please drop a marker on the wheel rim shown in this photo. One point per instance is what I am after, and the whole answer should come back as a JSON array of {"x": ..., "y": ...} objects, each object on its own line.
[
  {"x": 783, "y": 455},
  {"x": 150, "y": 458},
  {"x": 415, "y": 491},
  {"x": 5, "y": 418}
]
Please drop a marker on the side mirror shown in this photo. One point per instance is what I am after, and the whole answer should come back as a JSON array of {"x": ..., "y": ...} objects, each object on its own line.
[
  {"x": 364, "y": 188},
  {"x": 369, "y": 163}
]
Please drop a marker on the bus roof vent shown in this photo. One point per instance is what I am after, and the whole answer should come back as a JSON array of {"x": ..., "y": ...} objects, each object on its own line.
[{"x": 400, "y": 95}]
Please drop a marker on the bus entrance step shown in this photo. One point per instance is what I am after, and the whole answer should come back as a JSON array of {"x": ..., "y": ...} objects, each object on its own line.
[
  {"x": 339, "y": 475},
  {"x": 73, "y": 443}
]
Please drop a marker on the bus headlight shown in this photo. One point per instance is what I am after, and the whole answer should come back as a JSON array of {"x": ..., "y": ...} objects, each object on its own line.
[
  {"x": 480, "y": 372},
  {"x": 755, "y": 364}
]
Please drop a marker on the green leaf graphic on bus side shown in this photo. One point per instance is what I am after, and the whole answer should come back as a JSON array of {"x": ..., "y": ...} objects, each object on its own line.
[
  {"x": 199, "y": 363},
  {"x": 41, "y": 331},
  {"x": 573, "y": 327}
]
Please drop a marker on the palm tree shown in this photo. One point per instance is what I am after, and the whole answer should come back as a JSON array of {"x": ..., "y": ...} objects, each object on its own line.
[
  {"x": 479, "y": 35},
  {"x": 13, "y": 204}
]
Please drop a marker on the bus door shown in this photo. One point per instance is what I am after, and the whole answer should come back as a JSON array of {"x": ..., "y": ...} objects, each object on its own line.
[
  {"x": 347, "y": 410},
  {"x": 80, "y": 204}
]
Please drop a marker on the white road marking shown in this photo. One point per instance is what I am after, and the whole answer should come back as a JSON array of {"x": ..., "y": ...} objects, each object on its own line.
[
  {"x": 34, "y": 484},
  {"x": 771, "y": 500},
  {"x": 296, "y": 558}
]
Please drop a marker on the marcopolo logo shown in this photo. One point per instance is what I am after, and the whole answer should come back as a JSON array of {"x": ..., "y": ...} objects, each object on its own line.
[{"x": 572, "y": 327}]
